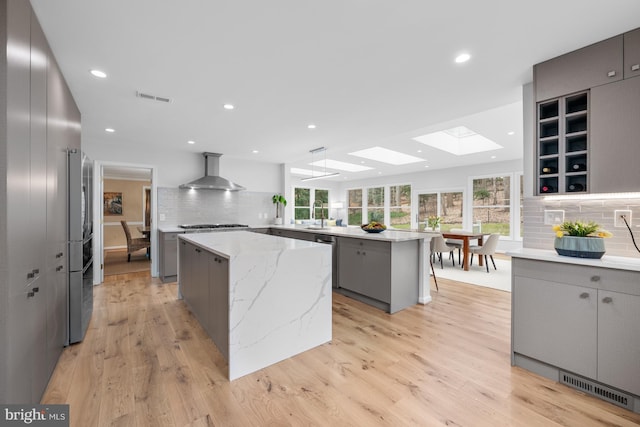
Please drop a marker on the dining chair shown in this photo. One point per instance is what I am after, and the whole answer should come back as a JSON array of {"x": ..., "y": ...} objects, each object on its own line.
[
  {"x": 488, "y": 248},
  {"x": 456, "y": 242},
  {"x": 438, "y": 246},
  {"x": 134, "y": 245}
]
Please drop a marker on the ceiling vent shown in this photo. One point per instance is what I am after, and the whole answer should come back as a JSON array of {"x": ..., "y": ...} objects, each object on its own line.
[{"x": 152, "y": 97}]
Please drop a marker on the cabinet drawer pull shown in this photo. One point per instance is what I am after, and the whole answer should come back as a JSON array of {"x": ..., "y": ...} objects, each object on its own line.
[
  {"x": 358, "y": 252},
  {"x": 635, "y": 67},
  {"x": 584, "y": 295},
  {"x": 36, "y": 289},
  {"x": 364, "y": 253},
  {"x": 30, "y": 294},
  {"x": 31, "y": 275},
  {"x": 607, "y": 300},
  {"x": 611, "y": 73},
  {"x": 595, "y": 278},
  {"x": 59, "y": 268},
  {"x": 59, "y": 255},
  {"x": 198, "y": 250},
  {"x": 36, "y": 271}
]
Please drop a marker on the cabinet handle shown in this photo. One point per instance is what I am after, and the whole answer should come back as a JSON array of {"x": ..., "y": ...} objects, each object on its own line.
[
  {"x": 59, "y": 268},
  {"x": 31, "y": 275},
  {"x": 36, "y": 289},
  {"x": 611, "y": 73},
  {"x": 607, "y": 300},
  {"x": 595, "y": 278},
  {"x": 358, "y": 252},
  {"x": 364, "y": 253},
  {"x": 36, "y": 271},
  {"x": 584, "y": 295},
  {"x": 198, "y": 250},
  {"x": 59, "y": 255},
  {"x": 635, "y": 67},
  {"x": 30, "y": 294}
]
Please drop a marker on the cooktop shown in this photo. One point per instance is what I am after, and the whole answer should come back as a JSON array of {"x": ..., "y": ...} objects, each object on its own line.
[{"x": 202, "y": 226}]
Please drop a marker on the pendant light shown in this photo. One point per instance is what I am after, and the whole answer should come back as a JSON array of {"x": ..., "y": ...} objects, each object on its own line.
[{"x": 325, "y": 174}]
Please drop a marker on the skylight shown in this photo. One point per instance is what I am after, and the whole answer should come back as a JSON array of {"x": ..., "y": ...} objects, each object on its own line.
[
  {"x": 458, "y": 141},
  {"x": 385, "y": 155},
  {"x": 341, "y": 166}
]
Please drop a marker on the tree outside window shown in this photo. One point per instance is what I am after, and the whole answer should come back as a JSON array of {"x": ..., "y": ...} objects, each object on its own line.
[
  {"x": 400, "y": 206},
  {"x": 375, "y": 204},
  {"x": 354, "y": 207},
  {"x": 302, "y": 203},
  {"x": 321, "y": 199},
  {"x": 447, "y": 206},
  {"x": 491, "y": 204}
]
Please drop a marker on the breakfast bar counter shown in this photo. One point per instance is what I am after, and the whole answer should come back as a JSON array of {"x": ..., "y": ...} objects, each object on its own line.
[{"x": 260, "y": 298}]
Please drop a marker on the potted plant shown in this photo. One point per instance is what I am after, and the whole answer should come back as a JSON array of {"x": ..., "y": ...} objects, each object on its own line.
[
  {"x": 433, "y": 222},
  {"x": 580, "y": 239},
  {"x": 278, "y": 199}
]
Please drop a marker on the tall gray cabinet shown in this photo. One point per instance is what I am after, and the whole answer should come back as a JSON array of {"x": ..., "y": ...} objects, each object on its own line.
[{"x": 39, "y": 121}]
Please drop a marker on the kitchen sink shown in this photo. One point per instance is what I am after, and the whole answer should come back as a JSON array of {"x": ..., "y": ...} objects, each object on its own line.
[{"x": 315, "y": 227}]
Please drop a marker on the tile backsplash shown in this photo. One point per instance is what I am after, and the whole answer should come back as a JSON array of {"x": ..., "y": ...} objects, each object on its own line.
[
  {"x": 177, "y": 206},
  {"x": 538, "y": 235}
]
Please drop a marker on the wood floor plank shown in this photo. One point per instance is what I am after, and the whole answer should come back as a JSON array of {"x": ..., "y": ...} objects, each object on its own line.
[{"x": 146, "y": 361}]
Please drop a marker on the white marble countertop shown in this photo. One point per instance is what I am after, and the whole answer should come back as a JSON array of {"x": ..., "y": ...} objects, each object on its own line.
[
  {"x": 607, "y": 261},
  {"x": 357, "y": 232},
  {"x": 234, "y": 243}
]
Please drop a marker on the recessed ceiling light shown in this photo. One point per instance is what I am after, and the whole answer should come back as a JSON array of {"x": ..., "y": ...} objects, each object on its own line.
[
  {"x": 511, "y": 133},
  {"x": 419, "y": 151},
  {"x": 99, "y": 74},
  {"x": 463, "y": 57},
  {"x": 311, "y": 126},
  {"x": 255, "y": 151},
  {"x": 110, "y": 130},
  {"x": 426, "y": 166},
  {"x": 385, "y": 155},
  {"x": 493, "y": 157},
  {"x": 228, "y": 106},
  {"x": 191, "y": 142}
]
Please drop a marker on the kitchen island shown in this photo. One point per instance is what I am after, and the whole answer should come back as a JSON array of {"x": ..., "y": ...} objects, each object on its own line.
[
  {"x": 260, "y": 298},
  {"x": 388, "y": 270}
]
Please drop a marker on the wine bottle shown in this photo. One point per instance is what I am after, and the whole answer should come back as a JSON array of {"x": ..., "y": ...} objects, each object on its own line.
[
  {"x": 575, "y": 187},
  {"x": 547, "y": 189},
  {"x": 577, "y": 167},
  {"x": 549, "y": 169}
]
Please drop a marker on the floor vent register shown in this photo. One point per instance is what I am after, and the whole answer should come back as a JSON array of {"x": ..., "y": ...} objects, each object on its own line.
[{"x": 596, "y": 389}]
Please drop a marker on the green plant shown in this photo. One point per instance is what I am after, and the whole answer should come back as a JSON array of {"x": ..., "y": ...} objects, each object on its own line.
[
  {"x": 278, "y": 199},
  {"x": 580, "y": 229},
  {"x": 433, "y": 221}
]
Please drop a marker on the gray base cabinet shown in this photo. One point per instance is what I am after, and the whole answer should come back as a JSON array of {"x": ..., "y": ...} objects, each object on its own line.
[
  {"x": 582, "y": 319},
  {"x": 383, "y": 274},
  {"x": 168, "y": 254},
  {"x": 204, "y": 286}
]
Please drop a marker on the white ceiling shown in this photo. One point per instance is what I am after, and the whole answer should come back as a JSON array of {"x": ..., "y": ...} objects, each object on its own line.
[{"x": 367, "y": 73}]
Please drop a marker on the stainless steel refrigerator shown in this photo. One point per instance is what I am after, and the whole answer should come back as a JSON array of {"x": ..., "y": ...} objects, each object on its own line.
[{"x": 80, "y": 244}]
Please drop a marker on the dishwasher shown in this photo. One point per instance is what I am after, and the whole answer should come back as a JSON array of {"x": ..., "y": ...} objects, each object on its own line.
[{"x": 331, "y": 240}]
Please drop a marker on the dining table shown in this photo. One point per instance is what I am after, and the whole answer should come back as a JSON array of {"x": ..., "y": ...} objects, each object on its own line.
[
  {"x": 146, "y": 233},
  {"x": 466, "y": 236}
]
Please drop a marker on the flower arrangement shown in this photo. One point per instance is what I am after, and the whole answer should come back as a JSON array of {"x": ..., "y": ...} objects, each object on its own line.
[
  {"x": 433, "y": 222},
  {"x": 580, "y": 229}
]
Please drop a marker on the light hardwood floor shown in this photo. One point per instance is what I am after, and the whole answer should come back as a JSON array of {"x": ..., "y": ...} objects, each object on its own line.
[{"x": 147, "y": 362}]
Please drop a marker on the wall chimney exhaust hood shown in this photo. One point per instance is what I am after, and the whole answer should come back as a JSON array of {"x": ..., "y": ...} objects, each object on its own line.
[{"x": 212, "y": 179}]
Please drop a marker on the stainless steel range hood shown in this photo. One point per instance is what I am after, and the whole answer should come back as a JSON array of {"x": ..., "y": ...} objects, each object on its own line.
[{"x": 212, "y": 179}]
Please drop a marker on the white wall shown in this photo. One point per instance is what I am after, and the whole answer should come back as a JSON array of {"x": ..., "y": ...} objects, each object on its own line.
[{"x": 179, "y": 166}]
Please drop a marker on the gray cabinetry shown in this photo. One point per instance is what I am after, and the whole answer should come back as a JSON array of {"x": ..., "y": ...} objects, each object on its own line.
[
  {"x": 556, "y": 323},
  {"x": 168, "y": 255},
  {"x": 381, "y": 273},
  {"x": 365, "y": 268},
  {"x": 42, "y": 121},
  {"x": 632, "y": 54},
  {"x": 588, "y": 324},
  {"x": 218, "y": 307},
  {"x": 619, "y": 340},
  {"x": 615, "y": 126},
  {"x": 584, "y": 68},
  {"x": 292, "y": 234}
]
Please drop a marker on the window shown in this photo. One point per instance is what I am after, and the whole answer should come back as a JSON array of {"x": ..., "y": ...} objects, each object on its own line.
[
  {"x": 354, "y": 207},
  {"x": 400, "y": 206},
  {"x": 375, "y": 204},
  {"x": 302, "y": 203},
  {"x": 448, "y": 206},
  {"x": 492, "y": 204},
  {"x": 321, "y": 199}
]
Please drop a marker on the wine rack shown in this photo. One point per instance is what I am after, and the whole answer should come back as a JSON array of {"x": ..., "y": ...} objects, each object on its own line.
[{"x": 562, "y": 145}]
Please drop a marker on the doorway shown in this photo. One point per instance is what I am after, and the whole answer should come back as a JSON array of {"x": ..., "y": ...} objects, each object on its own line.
[{"x": 131, "y": 186}]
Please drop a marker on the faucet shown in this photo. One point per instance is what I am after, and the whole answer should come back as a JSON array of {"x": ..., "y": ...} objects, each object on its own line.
[{"x": 321, "y": 214}]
